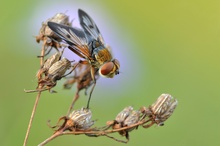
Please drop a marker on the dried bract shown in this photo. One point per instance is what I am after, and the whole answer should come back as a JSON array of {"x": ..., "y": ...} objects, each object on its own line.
[{"x": 163, "y": 108}]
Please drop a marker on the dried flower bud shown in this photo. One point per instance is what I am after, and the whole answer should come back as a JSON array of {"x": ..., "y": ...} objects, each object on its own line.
[
  {"x": 60, "y": 18},
  {"x": 163, "y": 108},
  {"x": 81, "y": 119},
  {"x": 123, "y": 114},
  {"x": 58, "y": 69},
  {"x": 133, "y": 118},
  {"x": 48, "y": 63}
]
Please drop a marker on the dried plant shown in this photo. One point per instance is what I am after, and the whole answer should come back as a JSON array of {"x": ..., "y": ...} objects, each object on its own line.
[
  {"x": 79, "y": 121},
  {"x": 97, "y": 60},
  {"x": 50, "y": 40},
  {"x": 48, "y": 37},
  {"x": 52, "y": 75}
]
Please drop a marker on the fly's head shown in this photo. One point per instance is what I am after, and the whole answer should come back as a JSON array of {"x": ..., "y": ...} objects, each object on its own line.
[{"x": 110, "y": 69}]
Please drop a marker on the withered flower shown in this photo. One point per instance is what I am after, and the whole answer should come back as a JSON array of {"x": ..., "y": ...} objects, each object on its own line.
[
  {"x": 55, "y": 72},
  {"x": 78, "y": 120},
  {"x": 120, "y": 118},
  {"x": 81, "y": 119},
  {"x": 123, "y": 114},
  {"x": 133, "y": 118},
  {"x": 47, "y": 64},
  {"x": 163, "y": 108},
  {"x": 49, "y": 38},
  {"x": 58, "y": 69},
  {"x": 125, "y": 118},
  {"x": 45, "y": 31}
]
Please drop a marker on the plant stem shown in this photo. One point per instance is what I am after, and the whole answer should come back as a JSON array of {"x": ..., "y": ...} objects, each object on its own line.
[
  {"x": 95, "y": 133},
  {"x": 50, "y": 138},
  {"x": 31, "y": 118},
  {"x": 43, "y": 52}
]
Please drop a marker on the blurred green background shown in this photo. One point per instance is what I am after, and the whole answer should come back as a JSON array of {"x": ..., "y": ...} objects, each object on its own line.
[{"x": 170, "y": 46}]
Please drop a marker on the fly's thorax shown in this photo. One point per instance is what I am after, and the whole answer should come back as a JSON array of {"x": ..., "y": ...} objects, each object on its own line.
[{"x": 102, "y": 55}]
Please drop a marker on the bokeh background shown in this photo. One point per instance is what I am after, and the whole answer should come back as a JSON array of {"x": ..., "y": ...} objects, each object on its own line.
[{"x": 170, "y": 46}]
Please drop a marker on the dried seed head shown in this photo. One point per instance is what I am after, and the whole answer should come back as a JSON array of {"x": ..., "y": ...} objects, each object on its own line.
[
  {"x": 60, "y": 18},
  {"x": 58, "y": 69},
  {"x": 81, "y": 118},
  {"x": 123, "y": 114},
  {"x": 163, "y": 108},
  {"x": 48, "y": 63},
  {"x": 133, "y": 118}
]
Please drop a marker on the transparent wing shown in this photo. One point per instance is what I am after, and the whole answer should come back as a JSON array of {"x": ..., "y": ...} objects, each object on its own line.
[
  {"x": 89, "y": 26},
  {"x": 74, "y": 37}
]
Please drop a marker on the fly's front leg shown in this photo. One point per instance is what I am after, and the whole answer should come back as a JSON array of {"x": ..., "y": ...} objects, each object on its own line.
[
  {"x": 45, "y": 54},
  {"x": 74, "y": 67},
  {"x": 94, "y": 83}
]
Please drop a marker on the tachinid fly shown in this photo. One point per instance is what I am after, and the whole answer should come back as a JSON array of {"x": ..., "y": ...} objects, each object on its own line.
[{"x": 88, "y": 43}]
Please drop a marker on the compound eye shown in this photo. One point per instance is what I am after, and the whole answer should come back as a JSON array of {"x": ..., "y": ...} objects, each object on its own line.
[{"x": 106, "y": 68}]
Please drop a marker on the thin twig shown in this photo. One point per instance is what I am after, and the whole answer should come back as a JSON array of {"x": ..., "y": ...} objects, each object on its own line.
[
  {"x": 50, "y": 138},
  {"x": 118, "y": 140},
  {"x": 37, "y": 90},
  {"x": 96, "y": 133},
  {"x": 73, "y": 102},
  {"x": 43, "y": 52},
  {"x": 31, "y": 118},
  {"x": 37, "y": 98}
]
